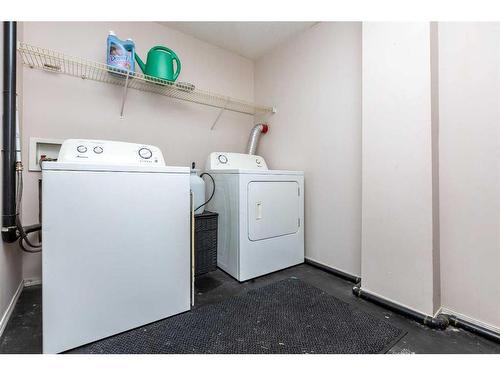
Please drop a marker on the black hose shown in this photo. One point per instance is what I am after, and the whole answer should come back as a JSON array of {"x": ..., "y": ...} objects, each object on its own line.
[
  {"x": 32, "y": 250},
  {"x": 24, "y": 242},
  {"x": 213, "y": 191},
  {"x": 474, "y": 328},
  {"x": 23, "y": 238}
]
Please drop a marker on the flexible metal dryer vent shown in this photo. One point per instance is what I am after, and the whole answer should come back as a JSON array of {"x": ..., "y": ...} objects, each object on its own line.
[{"x": 254, "y": 137}]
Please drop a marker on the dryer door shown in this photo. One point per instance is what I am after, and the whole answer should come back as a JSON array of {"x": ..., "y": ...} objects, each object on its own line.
[{"x": 273, "y": 209}]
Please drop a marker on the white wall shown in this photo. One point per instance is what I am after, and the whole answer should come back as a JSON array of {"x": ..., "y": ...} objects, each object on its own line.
[
  {"x": 58, "y": 106},
  {"x": 470, "y": 169},
  {"x": 398, "y": 236},
  {"x": 10, "y": 255},
  {"x": 315, "y": 82}
]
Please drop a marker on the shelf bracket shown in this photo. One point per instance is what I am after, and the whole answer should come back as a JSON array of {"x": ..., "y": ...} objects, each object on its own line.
[
  {"x": 124, "y": 95},
  {"x": 219, "y": 115}
]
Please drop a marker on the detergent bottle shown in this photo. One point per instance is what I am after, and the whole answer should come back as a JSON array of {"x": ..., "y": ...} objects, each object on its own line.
[{"x": 120, "y": 53}]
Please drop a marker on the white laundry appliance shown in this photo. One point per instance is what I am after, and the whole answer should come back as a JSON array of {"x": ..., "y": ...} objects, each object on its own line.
[
  {"x": 261, "y": 215},
  {"x": 116, "y": 241}
]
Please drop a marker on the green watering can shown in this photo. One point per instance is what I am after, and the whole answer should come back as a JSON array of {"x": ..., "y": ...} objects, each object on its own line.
[{"x": 160, "y": 63}]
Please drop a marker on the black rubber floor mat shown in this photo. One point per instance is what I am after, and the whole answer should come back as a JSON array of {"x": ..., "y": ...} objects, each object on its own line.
[{"x": 289, "y": 316}]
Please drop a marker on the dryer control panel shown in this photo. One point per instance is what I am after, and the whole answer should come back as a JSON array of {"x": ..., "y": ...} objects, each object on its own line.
[
  {"x": 232, "y": 160},
  {"x": 109, "y": 152}
]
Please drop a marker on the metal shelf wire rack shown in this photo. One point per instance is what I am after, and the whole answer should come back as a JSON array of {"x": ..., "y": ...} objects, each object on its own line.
[{"x": 57, "y": 62}]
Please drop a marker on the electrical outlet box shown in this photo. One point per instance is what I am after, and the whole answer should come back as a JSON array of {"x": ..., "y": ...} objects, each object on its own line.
[{"x": 42, "y": 146}]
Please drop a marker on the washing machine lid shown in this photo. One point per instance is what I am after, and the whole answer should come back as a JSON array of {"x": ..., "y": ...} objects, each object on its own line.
[{"x": 62, "y": 166}]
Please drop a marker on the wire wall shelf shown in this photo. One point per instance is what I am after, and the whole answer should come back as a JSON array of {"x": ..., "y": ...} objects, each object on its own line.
[{"x": 57, "y": 62}]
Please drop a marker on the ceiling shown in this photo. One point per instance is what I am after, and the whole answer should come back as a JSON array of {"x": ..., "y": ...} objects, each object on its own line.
[{"x": 248, "y": 39}]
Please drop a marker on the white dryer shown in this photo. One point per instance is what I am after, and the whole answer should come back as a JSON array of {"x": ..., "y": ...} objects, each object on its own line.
[
  {"x": 261, "y": 215},
  {"x": 116, "y": 241}
]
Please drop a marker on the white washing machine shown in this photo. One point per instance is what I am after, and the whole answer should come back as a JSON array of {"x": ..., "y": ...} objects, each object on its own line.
[
  {"x": 116, "y": 241},
  {"x": 261, "y": 215}
]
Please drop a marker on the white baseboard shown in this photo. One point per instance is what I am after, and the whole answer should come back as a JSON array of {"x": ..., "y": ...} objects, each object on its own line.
[
  {"x": 10, "y": 308},
  {"x": 445, "y": 310},
  {"x": 32, "y": 282}
]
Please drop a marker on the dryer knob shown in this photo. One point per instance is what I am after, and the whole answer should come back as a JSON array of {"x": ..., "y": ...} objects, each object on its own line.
[{"x": 222, "y": 159}]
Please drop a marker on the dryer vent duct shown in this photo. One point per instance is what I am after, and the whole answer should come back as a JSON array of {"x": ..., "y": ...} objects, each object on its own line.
[{"x": 254, "y": 137}]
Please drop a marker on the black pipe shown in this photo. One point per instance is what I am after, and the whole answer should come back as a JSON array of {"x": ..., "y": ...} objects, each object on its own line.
[
  {"x": 9, "y": 233},
  {"x": 438, "y": 322},
  {"x": 334, "y": 271},
  {"x": 474, "y": 328},
  {"x": 441, "y": 321}
]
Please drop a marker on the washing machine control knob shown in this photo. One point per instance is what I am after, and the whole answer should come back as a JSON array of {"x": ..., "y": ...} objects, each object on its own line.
[
  {"x": 98, "y": 150},
  {"x": 145, "y": 153},
  {"x": 222, "y": 159},
  {"x": 81, "y": 149}
]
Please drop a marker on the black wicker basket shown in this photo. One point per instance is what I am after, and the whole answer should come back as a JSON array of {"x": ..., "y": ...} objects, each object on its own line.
[{"x": 205, "y": 242}]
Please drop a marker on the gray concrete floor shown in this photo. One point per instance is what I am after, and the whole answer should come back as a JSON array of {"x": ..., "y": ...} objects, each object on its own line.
[{"x": 23, "y": 333}]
